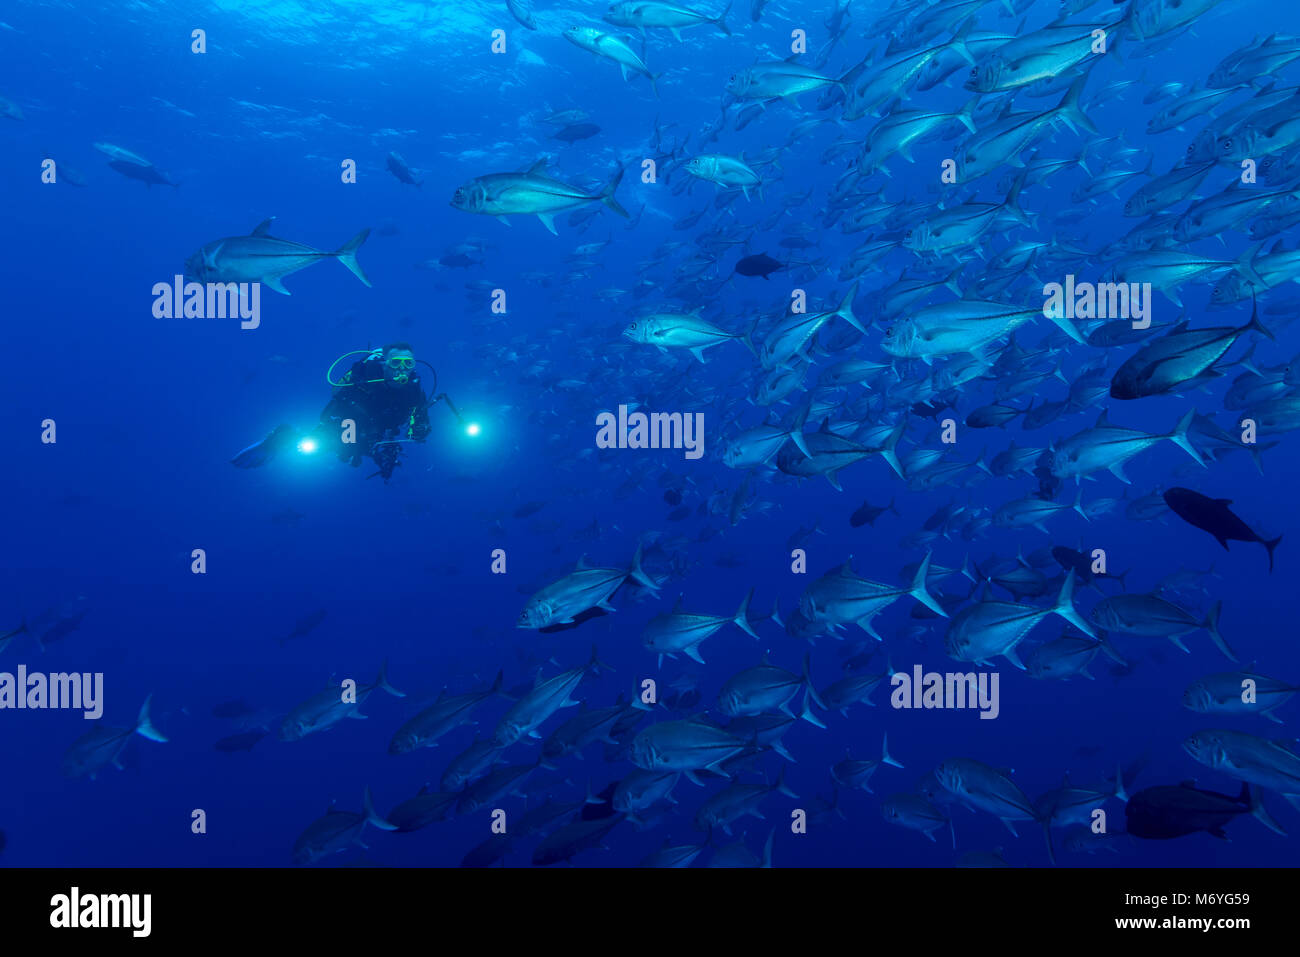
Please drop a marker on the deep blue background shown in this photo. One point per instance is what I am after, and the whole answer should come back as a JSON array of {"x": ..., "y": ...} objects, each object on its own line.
[{"x": 150, "y": 411}]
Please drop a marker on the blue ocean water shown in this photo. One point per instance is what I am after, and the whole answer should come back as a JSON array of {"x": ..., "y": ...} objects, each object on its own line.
[{"x": 100, "y": 526}]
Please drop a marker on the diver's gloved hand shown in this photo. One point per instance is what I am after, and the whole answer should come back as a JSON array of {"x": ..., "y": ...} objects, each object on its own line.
[
  {"x": 385, "y": 456},
  {"x": 256, "y": 455}
]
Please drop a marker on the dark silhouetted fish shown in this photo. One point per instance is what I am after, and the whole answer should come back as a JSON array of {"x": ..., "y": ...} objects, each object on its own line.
[
  {"x": 241, "y": 742},
  {"x": 576, "y": 131},
  {"x": 578, "y": 619},
  {"x": 397, "y": 166},
  {"x": 673, "y": 497},
  {"x": 594, "y": 810},
  {"x": 60, "y": 629},
  {"x": 305, "y": 625},
  {"x": 237, "y": 708},
  {"x": 868, "y": 513},
  {"x": 759, "y": 265},
  {"x": 149, "y": 175},
  {"x": 1081, "y": 564},
  {"x": 1213, "y": 515},
  {"x": 529, "y": 508},
  {"x": 1167, "y": 811}
]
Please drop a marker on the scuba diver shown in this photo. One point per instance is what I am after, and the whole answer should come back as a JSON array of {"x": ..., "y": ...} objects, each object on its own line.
[{"x": 376, "y": 407}]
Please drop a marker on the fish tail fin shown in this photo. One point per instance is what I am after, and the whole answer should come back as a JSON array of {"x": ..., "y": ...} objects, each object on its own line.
[
  {"x": 1270, "y": 546},
  {"x": 372, "y": 816},
  {"x": 1069, "y": 109},
  {"x": 807, "y": 712},
  {"x": 1254, "y": 324},
  {"x": 742, "y": 616},
  {"x": 885, "y": 756},
  {"x": 607, "y": 194},
  {"x": 776, "y": 612},
  {"x": 845, "y": 311},
  {"x": 347, "y": 255},
  {"x": 1047, "y": 834},
  {"x": 1109, "y": 649},
  {"x": 721, "y": 20},
  {"x": 1259, "y": 812},
  {"x": 381, "y": 681},
  {"x": 1119, "y": 782},
  {"x": 796, "y": 428},
  {"x": 891, "y": 507},
  {"x": 1012, "y": 203},
  {"x": 1212, "y": 626},
  {"x": 1246, "y": 266},
  {"x": 1179, "y": 437},
  {"x": 595, "y": 664},
  {"x": 747, "y": 337},
  {"x": 638, "y": 573},
  {"x": 1065, "y": 606},
  {"x": 496, "y": 685},
  {"x": 781, "y": 785},
  {"x": 812, "y": 692},
  {"x": 966, "y": 114},
  {"x": 888, "y": 453},
  {"x": 960, "y": 38},
  {"x": 144, "y": 726},
  {"x": 921, "y": 593},
  {"x": 1078, "y": 503}
]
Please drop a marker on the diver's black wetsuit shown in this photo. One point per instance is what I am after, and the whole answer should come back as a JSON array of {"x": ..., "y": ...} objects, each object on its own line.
[{"x": 382, "y": 412}]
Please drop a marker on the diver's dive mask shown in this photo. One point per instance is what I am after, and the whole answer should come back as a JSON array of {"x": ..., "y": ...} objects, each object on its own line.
[{"x": 400, "y": 369}]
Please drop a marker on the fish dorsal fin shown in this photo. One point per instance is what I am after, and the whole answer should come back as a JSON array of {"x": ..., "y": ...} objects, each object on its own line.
[
  {"x": 582, "y": 563},
  {"x": 1224, "y": 501},
  {"x": 1065, "y": 780},
  {"x": 677, "y": 606},
  {"x": 537, "y": 168},
  {"x": 763, "y": 660},
  {"x": 1102, "y": 421},
  {"x": 793, "y": 58},
  {"x": 1181, "y": 327},
  {"x": 263, "y": 228}
]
